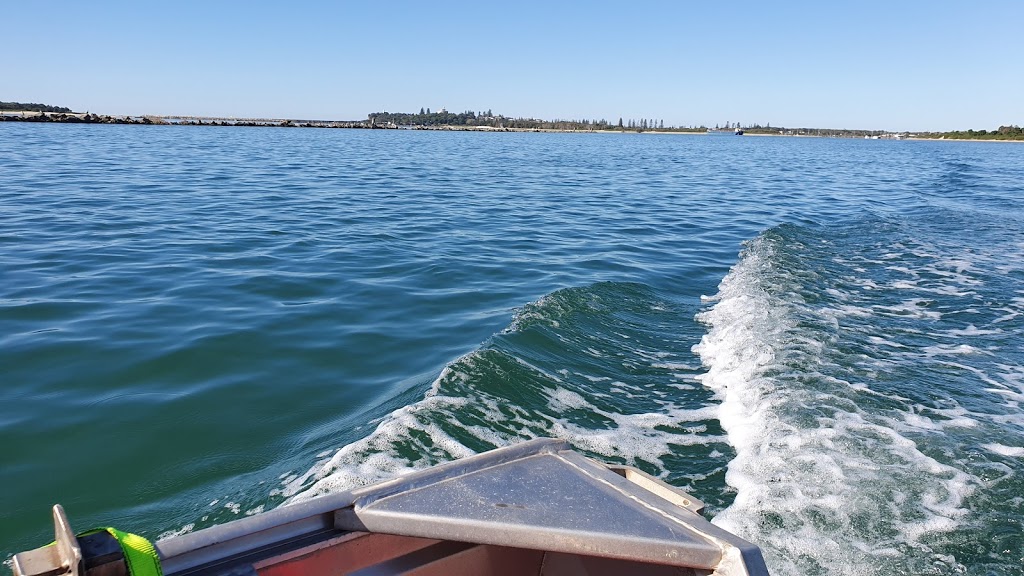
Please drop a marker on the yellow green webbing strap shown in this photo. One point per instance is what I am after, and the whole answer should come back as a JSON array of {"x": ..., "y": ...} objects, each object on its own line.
[{"x": 139, "y": 554}]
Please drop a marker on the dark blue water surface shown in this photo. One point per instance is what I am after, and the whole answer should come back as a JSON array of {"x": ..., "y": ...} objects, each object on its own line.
[{"x": 822, "y": 339}]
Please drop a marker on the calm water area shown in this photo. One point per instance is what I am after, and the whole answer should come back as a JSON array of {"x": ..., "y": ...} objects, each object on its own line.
[{"x": 822, "y": 339}]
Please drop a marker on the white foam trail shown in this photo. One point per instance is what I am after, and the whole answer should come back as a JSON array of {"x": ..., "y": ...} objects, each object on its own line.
[
  {"x": 949, "y": 350},
  {"x": 636, "y": 435},
  {"x": 632, "y": 437},
  {"x": 821, "y": 485},
  {"x": 1003, "y": 450}
]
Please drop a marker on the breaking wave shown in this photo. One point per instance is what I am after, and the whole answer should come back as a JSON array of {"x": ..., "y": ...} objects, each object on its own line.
[{"x": 603, "y": 367}]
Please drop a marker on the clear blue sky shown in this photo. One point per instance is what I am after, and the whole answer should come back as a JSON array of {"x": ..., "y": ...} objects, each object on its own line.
[{"x": 895, "y": 65}]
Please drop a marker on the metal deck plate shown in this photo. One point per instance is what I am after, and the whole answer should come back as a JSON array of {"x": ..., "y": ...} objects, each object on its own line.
[{"x": 552, "y": 499}]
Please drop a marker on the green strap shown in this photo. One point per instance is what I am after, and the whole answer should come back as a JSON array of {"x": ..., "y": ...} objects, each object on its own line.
[{"x": 139, "y": 554}]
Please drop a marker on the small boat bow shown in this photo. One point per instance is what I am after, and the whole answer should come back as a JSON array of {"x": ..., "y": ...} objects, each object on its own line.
[{"x": 533, "y": 508}]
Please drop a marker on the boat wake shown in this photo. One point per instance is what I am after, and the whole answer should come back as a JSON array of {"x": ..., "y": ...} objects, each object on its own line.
[
  {"x": 602, "y": 367},
  {"x": 833, "y": 363},
  {"x": 849, "y": 400}
]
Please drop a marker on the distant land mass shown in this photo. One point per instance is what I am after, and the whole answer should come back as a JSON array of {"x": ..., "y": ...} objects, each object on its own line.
[
  {"x": 1001, "y": 133},
  {"x": 29, "y": 107},
  {"x": 442, "y": 119}
]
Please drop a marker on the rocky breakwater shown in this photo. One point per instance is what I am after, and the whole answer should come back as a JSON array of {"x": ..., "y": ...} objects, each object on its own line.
[{"x": 74, "y": 118}]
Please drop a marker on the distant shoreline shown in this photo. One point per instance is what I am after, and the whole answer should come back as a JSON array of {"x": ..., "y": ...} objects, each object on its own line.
[{"x": 153, "y": 120}]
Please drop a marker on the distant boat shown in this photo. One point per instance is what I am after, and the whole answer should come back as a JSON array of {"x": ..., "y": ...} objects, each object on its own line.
[{"x": 736, "y": 132}]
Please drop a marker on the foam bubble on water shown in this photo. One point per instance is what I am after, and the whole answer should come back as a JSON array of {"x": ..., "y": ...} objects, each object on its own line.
[
  {"x": 904, "y": 270},
  {"x": 971, "y": 330},
  {"x": 562, "y": 399},
  {"x": 1011, "y": 314},
  {"x": 915, "y": 421},
  {"x": 179, "y": 532},
  {"x": 868, "y": 284},
  {"x": 1003, "y": 450},
  {"x": 853, "y": 311},
  {"x": 885, "y": 342},
  {"x": 937, "y": 419},
  {"x": 951, "y": 291},
  {"x": 949, "y": 349}
]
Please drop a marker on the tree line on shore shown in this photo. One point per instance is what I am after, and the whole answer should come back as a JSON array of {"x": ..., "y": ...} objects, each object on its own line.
[
  {"x": 470, "y": 118},
  {"x": 32, "y": 107},
  {"x": 1002, "y": 133}
]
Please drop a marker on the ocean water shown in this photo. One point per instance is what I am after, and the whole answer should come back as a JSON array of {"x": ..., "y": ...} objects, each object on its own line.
[{"x": 821, "y": 339}]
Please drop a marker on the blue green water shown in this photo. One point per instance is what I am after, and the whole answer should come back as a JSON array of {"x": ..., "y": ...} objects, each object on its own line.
[{"x": 822, "y": 339}]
